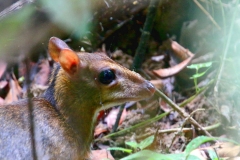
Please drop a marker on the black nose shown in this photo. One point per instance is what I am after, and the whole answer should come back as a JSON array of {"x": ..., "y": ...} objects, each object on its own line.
[{"x": 150, "y": 87}]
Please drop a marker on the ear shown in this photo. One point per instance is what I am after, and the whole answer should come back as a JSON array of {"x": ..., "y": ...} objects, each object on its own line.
[
  {"x": 69, "y": 61},
  {"x": 60, "y": 52},
  {"x": 55, "y": 46}
]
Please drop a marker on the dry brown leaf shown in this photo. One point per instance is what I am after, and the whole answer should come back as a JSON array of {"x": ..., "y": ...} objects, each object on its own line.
[
  {"x": 112, "y": 116},
  {"x": 227, "y": 149},
  {"x": 224, "y": 150},
  {"x": 100, "y": 128},
  {"x": 234, "y": 158},
  {"x": 164, "y": 106},
  {"x": 157, "y": 58},
  {"x": 173, "y": 70},
  {"x": 3, "y": 84},
  {"x": 14, "y": 92},
  {"x": 157, "y": 83},
  {"x": 180, "y": 51},
  {"x": 184, "y": 54},
  {"x": 110, "y": 121}
]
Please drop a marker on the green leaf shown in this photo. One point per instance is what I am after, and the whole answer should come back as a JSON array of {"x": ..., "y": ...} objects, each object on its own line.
[
  {"x": 212, "y": 154},
  {"x": 198, "y": 75},
  {"x": 200, "y": 65},
  {"x": 146, "y": 142},
  {"x": 192, "y": 157},
  {"x": 150, "y": 155},
  {"x": 120, "y": 149},
  {"x": 195, "y": 143},
  {"x": 132, "y": 144}
]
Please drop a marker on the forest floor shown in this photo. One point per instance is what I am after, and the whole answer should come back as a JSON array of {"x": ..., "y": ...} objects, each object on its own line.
[{"x": 191, "y": 56}]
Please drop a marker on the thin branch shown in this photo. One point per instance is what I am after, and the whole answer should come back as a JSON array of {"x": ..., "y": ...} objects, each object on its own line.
[
  {"x": 130, "y": 129},
  {"x": 141, "y": 50},
  {"x": 184, "y": 130},
  {"x": 208, "y": 14},
  {"x": 222, "y": 65},
  {"x": 121, "y": 108},
  {"x": 15, "y": 6},
  {"x": 30, "y": 111},
  {"x": 181, "y": 112}
]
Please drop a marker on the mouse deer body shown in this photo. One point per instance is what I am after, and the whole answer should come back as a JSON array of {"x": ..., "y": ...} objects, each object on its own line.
[{"x": 81, "y": 84}]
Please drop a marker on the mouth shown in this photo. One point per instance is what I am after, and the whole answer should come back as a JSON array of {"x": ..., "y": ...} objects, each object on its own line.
[
  {"x": 143, "y": 92},
  {"x": 120, "y": 101}
]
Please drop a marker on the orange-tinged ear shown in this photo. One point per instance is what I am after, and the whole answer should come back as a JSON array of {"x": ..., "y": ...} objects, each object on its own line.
[
  {"x": 69, "y": 61},
  {"x": 55, "y": 46}
]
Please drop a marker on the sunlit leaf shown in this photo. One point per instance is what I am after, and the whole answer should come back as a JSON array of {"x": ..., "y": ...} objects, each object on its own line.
[
  {"x": 195, "y": 143},
  {"x": 120, "y": 149},
  {"x": 132, "y": 144},
  {"x": 146, "y": 142},
  {"x": 213, "y": 155},
  {"x": 150, "y": 155},
  {"x": 197, "y": 75},
  {"x": 200, "y": 65}
]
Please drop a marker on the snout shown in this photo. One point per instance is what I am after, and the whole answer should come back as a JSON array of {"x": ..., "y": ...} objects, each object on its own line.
[{"x": 150, "y": 87}]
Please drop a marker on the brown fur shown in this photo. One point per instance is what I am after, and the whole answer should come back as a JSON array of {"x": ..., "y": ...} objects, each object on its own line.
[{"x": 65, "y": 115}]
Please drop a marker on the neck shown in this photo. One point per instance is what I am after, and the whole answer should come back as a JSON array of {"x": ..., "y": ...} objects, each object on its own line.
[{"x": 71, "y": 104}]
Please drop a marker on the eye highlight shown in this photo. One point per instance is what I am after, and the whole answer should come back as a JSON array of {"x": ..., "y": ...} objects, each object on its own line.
[{"x": 106, "y": 76}]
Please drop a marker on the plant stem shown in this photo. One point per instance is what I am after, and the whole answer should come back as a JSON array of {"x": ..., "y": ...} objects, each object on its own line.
[
  {"x": 181, "y": 112},
  {"x": 148, "y": 25}
]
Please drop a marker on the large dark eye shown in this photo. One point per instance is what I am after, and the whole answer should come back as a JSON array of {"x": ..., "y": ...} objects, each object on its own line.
[{"x": 106, "y": 76}]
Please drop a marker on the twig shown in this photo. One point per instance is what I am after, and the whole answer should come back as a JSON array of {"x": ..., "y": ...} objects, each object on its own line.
[
  {"x": 183, "y": 124},
  {"x": 222, "y": 65},
  {"x": 181, "y": 112},
  {"x": 15, "y": 6},
  {"x": 223, "y": 15},
  {"x": 30, "y": 110},
  {"x": 145, "y": 123},
  {"x": 130, "y": 129},
  {"x": 208, "y": 15},
  {"x": 208, "y": 128},
  {"x": 149, "y": 121},
  {"x": 163, "y": 131},
  {"x": 186, "y": 119},
  {"x": 121, "y": 108}
]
